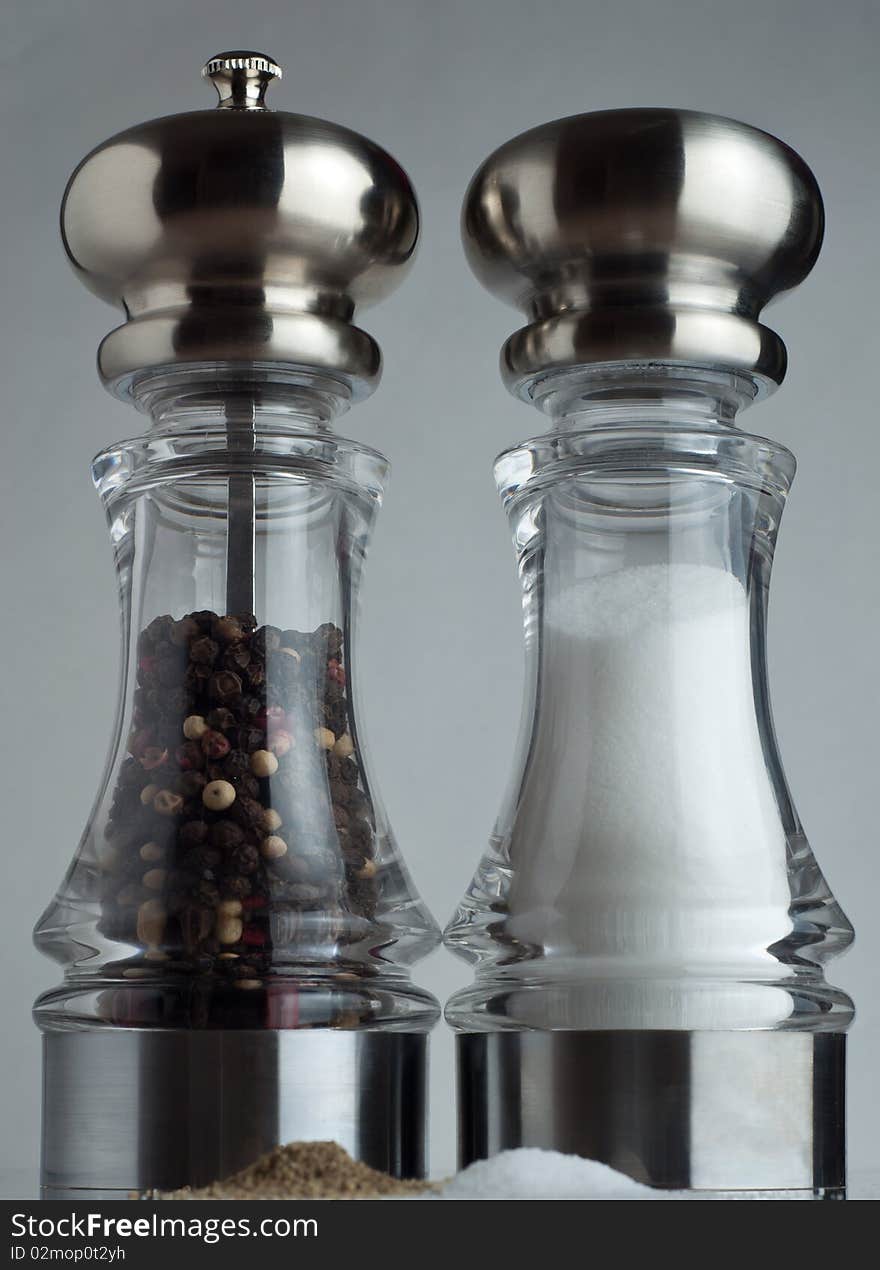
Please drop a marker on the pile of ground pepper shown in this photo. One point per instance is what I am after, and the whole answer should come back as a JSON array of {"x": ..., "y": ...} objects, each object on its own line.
[{"x": 304, "y": 1170}]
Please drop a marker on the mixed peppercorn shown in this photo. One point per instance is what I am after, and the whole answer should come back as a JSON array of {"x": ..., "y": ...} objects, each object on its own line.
[{"x": 241, "y": 834}]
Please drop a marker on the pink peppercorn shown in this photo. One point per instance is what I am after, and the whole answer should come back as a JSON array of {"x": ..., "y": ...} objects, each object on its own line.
[
  {"x": 279, "y": 742},
  {"x": 215, "y": 744},
  {"x": 270, "y": 716}
]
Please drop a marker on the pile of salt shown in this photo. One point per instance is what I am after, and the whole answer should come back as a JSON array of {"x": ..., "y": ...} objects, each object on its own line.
[{"x": 529, "y": 1173}]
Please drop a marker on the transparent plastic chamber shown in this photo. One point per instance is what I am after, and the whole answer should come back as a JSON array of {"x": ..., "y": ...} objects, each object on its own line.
[
  {"x": 648, "y": 869},
  {"x": 238, "y": 869}
]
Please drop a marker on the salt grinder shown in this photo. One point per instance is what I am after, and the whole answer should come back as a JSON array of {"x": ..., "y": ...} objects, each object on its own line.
[
  {"x": 237, "y": 922},
  {"x": 649, "y": 925}
]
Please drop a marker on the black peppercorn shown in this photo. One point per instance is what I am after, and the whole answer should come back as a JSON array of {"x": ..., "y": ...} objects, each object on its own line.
[
  {"x": 169, "y": 673},
  {"x": 192, "y": 833},
  {"x": 266, "y": 640},
  {"x": 340, "y": 792},
  {"x": 191, "y": 784},
  {"x": 248, "y": 785},
  {"x": 183, "y": 631},
  {"x": 130, "y": 773},
  {"x": 206, "y": 893},
  {"x": 205, "y": 618},
  {"x": 225, "y": 686},
  {"x": 247, "y": 812},
  {"x": 359, "y": 804},
  {"x": 236, "y": 764},
  {"x": 127, "y": 833},
  {"x": 256, "y": 675},
  {"x": 333, "y": 691},
  {"x": 248, "y": 738},
  {"x": 361, "y": 834},
  {"x": 248, "y": 707},
  {"x": 199, "y": 860},
  {"x": 159, "y": 628},
  {"x": 177, "y": 703},
  {"x": 204, "y": 650},
  {"x": 227, "y": 630},
  {"x": 236, "y": 887},
  {"x": 336, "y": 717},
  {"x": 221, "y": 719},
  {"x": 236, "y": 657},
  {"x": 194, "y": 808},
  {"x": 331, "y": 637},
  {"x": 283, "y": 671},
  {"x": 226, "y": 834},
  {"x": 195, "y": 675},
  {"x": 245, "y": 858}
]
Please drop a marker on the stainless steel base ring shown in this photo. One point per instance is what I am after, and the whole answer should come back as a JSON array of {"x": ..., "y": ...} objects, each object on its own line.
[
  {"x": 129, "y": 1110},
  {"x": 715, "y": 1111}
]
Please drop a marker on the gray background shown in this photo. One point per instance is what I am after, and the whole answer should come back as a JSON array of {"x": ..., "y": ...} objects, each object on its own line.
[{"x": 440, "y": 85}]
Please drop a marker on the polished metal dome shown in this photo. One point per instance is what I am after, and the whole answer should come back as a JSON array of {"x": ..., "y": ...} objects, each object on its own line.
[
  {"x": 642, "y": 235},
  {"x": 240, "y": 234}
]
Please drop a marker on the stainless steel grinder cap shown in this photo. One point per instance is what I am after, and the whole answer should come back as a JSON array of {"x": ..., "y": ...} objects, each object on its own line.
[
  {"x": 240, "y": 234},
  {"x": 642, "y": 235}
]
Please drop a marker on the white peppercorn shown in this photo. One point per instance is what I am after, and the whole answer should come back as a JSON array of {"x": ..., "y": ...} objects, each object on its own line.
[
  {"x": 167, "y": 803},
  {"x": 151, "y": 922},
  {"x": 218, "y": 795},
  {"x": 264, "y": 763},
  {"x": 194, "y": 727},
  {"x": 273, "y": 847},
  {"x": 229, "y": 930}
]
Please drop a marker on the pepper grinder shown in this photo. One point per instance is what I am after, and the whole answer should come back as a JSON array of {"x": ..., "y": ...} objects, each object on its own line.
[
  {"x": 237, "y": 923},
  {"x": 649, "y": 925}
]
